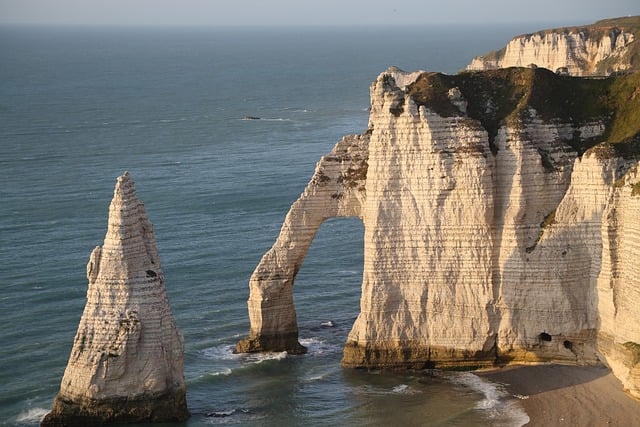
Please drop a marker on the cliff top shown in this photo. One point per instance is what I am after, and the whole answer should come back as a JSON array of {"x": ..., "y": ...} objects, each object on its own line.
[
  {"x": 510, "y": 95},
  {"x": 628, "y": 24}
]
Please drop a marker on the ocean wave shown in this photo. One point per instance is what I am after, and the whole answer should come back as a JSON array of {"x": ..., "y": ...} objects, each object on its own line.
[
  {"x": 378, "y": 391},
  {"x": 497, "y": 404},
  {"x": 404, "y": 389},
  {"x": 257, "y": 358},
  {"x": 233, "y": 416},
  {"x": 207, "y": 376},
  {"x": 224, "y": 372},
  {"x": 225, "y": 413},
  {"x": 220, "y": 352},
  {"x": 313, "y": 378},
  {"x": 177, "y": 120},
  {"x": 349, "y": 272},
  {"x": 225, "y": 352},
  {"x": 33, "y": 415},
  {"x": 315, "y": 346},
  {"x": 298, "y": 110},
  {"x": 320, "y": 373}
]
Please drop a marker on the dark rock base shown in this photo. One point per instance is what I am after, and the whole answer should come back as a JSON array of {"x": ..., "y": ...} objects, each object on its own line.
[
  {"x": 171, "y": 406},
  {"x": 265, "y": 343},
  {"x": 413, "y": 357},
  {"x": 410, "y": 356}
]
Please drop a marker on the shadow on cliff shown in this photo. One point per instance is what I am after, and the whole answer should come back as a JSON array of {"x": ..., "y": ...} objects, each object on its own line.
[{"x": 550, "y": 296}]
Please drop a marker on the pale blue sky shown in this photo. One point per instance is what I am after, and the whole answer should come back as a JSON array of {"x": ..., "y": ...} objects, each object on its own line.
[{"x": 309, "y": 12}]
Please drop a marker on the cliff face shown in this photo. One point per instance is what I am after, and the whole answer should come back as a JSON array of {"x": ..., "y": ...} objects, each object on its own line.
[
  {"x": 600, "y": 49},
  {"x": 618, "y": 284},
  {"x": 126, "y": 364},
  {"x": 499, "y": 224}
]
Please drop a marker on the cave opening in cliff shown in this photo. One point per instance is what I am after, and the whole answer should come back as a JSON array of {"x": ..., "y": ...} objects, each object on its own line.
[
  {"x": 327, "y": 287},
  {"x": 544, "y": 336}
]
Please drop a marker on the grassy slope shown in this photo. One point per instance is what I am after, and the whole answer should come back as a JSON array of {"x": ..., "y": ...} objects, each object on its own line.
[{"x": 505, "y": 95}]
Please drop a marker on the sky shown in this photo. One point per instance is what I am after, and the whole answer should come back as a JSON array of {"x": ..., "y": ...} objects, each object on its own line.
[{"x": 309, "y": 12}]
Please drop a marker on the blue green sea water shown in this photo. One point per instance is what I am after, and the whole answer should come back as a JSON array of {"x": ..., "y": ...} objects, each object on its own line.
[{"x": 80, "y": 105}]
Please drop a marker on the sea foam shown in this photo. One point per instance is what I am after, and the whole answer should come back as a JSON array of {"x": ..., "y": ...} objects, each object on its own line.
[
  {"x": 31, "y": 416},
  {"x": 497, "y": 404},
  {"x": 316, "y": 346}
]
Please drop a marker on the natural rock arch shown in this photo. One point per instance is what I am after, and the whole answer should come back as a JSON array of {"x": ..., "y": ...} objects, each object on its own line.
[
  {"x": 337, "y": 189},
  {"x": 490, "y": 235}
]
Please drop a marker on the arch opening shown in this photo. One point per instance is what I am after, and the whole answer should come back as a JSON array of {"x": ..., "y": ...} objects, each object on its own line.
[
  {"x": 336, "y": 190},
  {"x": 328, "y": 286}
]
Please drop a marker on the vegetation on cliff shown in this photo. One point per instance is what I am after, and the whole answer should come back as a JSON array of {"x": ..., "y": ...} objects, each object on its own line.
[
  {"x": 628, "y": 24},
  {"x": 512, "y": 95}
]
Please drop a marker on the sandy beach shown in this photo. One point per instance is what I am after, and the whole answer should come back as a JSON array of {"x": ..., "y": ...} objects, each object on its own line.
[{"x": 558, "y": 395}]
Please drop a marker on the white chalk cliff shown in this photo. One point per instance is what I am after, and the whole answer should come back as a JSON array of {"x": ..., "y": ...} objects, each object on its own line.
[
  {"x": 499, "y": 228},
  {"x": 126, "y": 364},
  {"x": 600, "y": 49}
]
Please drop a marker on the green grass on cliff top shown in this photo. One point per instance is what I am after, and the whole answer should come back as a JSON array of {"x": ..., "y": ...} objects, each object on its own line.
[
  {"x": 627, "y": 23},
  {"x": 506, "y": 95}
]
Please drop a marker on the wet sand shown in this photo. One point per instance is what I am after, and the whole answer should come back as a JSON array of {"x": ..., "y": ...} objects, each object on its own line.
[{"x": 558, "y": 395}]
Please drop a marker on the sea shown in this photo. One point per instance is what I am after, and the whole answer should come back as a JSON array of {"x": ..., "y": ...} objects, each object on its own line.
[{"x": 81, "y": 105}]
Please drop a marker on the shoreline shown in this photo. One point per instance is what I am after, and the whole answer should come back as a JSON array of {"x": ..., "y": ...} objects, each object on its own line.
[{"x": 557, "y": 395}]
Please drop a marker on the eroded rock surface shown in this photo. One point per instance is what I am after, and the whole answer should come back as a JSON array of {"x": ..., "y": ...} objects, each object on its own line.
[
  {"x": 501, "y": 214},
  {"x": 602, "y": 48},
  {"x": 337, "y": 188},
  {"x": 126, "y": 364}
]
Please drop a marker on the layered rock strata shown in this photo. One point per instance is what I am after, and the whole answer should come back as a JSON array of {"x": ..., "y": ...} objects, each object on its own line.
[
  {"x": 126, "y": 364},
  {"x": 600, "y": 49},
  {"x": 500, "y": 220}
]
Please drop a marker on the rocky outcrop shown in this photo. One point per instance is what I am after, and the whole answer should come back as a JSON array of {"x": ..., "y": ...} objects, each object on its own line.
[
  {"x": 600, "y": 49},
  {"x": 126, "y": 364},
  {"x": 500, "y": 217}
]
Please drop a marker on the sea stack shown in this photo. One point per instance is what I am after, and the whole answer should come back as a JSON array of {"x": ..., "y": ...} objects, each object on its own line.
[{"x": 126, "y": 364}]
